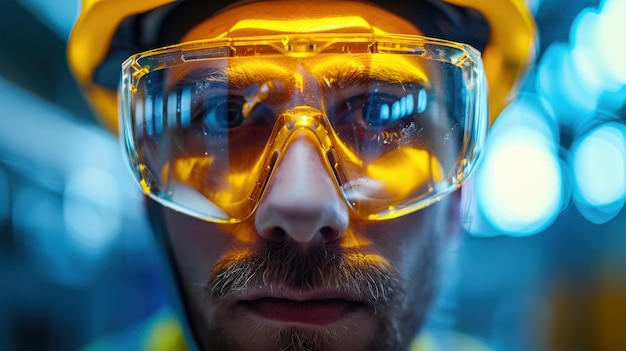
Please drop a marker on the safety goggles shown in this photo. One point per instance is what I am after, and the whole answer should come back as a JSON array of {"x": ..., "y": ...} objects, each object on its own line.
[{"x": 398, "y": 120}]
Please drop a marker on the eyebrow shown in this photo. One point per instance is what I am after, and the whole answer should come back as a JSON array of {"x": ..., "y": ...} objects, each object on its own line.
[
  {"x": 241, "y": 75},
  {"x": 351, "y": 71},
  {"x": 335, "y": 72}
]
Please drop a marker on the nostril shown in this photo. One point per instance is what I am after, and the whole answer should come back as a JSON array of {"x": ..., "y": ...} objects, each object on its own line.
[
  {"x": 329, "y": 234},
  {"x": 275, "y": 234},
  {"x": 278, "y": 234},
  {"x": 301, "y": 199}
]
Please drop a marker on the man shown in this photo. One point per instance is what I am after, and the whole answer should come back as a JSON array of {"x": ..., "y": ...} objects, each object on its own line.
[{"x": 302, "y": 158}]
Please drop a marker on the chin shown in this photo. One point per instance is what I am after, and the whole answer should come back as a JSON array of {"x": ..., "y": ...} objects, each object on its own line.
[
  {"x": 290, "y": 318},
  {"x": 277, "y": 296},
  {"x": 235, "y": 328},
  {"x": 241, "y": 330}
]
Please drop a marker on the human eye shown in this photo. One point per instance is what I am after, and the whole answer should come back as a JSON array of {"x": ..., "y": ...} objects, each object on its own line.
[
  {"x": 227, "y": 110},
  {"x": 381, "y": 108},
  {"x": 220, "y": 112}
]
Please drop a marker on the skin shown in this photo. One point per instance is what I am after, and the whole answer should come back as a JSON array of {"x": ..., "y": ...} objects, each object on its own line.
[{"x": 304, "y": 272}]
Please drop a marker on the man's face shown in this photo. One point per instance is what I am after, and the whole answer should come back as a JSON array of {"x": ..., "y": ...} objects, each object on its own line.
[{"x": 304, "y": 271}]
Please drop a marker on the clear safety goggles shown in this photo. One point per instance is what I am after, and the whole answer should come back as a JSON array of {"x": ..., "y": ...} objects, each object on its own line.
[{"x": 399, "y": 121}]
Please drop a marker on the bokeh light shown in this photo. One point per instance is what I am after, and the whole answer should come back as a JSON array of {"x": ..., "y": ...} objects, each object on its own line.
[
  {"x": 519, "y": 187},
  {"x": 610, "y": 40},
  {"x": 579, "y": 77},
  {"x": 92, "y": 209},
  {"x": 81, "y": 263},
  {"x": 599, "y": 166},
  {"x": 67, "y": 210},
  {"x": 569, "y": 93}
]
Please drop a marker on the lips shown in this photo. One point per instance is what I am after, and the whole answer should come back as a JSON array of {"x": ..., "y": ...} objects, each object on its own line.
[{"x": 314, "y": 312}]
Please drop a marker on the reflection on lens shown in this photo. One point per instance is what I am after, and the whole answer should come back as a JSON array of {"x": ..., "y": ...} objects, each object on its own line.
[{"x": 399, "y": 127}]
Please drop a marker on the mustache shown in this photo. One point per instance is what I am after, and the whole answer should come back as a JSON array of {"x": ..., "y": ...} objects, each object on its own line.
[{"x": 366, "y": 278}]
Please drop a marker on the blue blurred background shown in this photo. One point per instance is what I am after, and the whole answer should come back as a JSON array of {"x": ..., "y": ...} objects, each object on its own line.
[{"x": 543, "y": 259}]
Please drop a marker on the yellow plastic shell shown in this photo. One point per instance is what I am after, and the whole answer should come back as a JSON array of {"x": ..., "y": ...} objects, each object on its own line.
[
  {"x": 509, "y": 51},
  {"x": 89, "y": 43}
]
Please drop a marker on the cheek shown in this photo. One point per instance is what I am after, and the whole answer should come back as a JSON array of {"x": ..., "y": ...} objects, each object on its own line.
[
  {"x": 404, "y": 241},
  {"x": 196, "y": 245}
]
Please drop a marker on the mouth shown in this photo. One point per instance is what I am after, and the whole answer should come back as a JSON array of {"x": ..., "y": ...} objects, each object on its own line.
[{"x": 311, "y": 311}]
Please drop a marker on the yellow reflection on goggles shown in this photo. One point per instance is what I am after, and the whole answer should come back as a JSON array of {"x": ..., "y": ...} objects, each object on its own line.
[
  {"x": 394, "y": 176},
  {"x": 327, "y": 70},
  {"x": 228, "y": 189},
  {"x": 400, "y": 173},
  {"x": 390, "y": 68}
]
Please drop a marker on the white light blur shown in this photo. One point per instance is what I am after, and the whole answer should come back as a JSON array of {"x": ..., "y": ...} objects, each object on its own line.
[
  {"x": 599, "y": 166},
  {"x": 563, "y": 85},
  {"x": 610, "y": 39},
  {"x": 584, "y": 53},
  {"x": 594, "y": 47},
  {"x": 519, "y": 183},
  {"x": 92, "y": 209},
  {"x": 580, "y": 76}
]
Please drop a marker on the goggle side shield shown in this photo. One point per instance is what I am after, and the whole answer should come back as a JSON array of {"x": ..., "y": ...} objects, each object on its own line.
[{"x": 399, "y": 120}]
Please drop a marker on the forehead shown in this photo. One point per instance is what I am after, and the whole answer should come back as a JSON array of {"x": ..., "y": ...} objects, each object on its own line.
[{"x": 302, "y": 16}]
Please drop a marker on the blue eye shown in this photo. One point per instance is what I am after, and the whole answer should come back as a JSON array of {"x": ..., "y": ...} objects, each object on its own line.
[
  {"x": 379, "y": 109},
  {"x": 221, "y": 112},
  {"x": 383, "y": 109}
]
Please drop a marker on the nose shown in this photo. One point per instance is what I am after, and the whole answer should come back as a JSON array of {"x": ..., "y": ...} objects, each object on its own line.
[{"x": 301, "y": 201}]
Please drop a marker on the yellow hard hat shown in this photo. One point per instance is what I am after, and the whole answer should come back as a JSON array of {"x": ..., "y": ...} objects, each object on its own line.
[{"x": 108, "y": 31}]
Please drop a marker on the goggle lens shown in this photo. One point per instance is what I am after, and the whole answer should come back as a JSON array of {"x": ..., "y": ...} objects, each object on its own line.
[{"x": 399, "y": 120}]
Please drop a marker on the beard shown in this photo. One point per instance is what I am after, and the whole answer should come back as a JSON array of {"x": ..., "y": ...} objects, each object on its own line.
[{"x": 399, "y": 304}]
